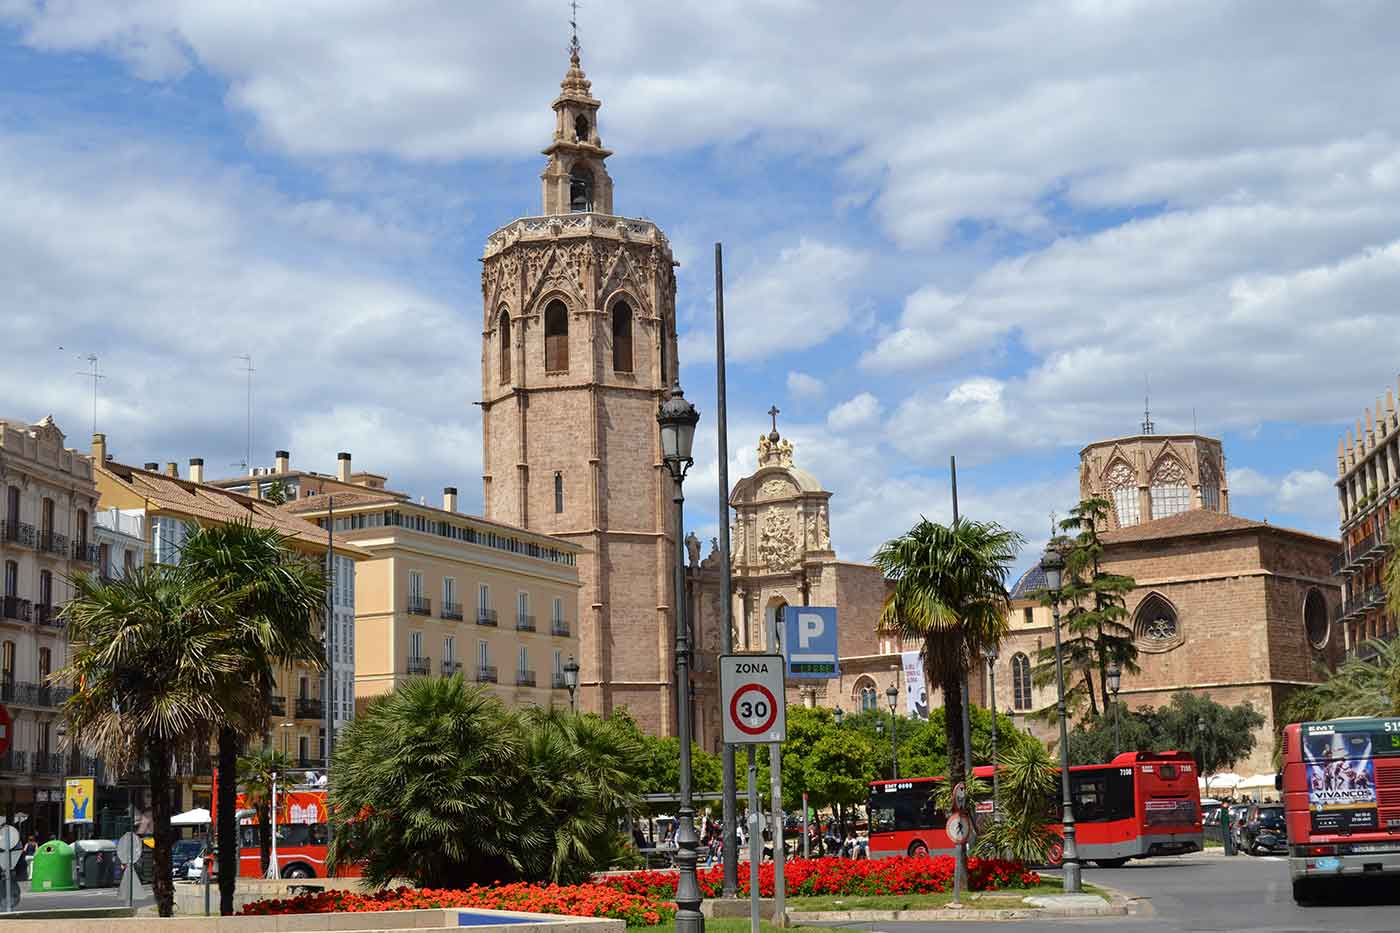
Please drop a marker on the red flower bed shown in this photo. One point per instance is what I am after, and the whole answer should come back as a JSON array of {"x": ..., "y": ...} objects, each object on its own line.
[
  {"x": 844, "y": 876},
  {"x": 579, "y": 900},
  {"x": 646, "y": 898}
]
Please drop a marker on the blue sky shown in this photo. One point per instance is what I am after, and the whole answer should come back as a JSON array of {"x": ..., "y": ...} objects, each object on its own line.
[{"x": 977, "y": 233}]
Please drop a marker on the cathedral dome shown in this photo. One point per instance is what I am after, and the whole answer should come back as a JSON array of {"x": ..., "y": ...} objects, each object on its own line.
[{"x": 1031, "y": 583}]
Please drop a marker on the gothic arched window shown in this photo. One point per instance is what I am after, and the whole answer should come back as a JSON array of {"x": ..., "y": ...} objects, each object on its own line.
[
  {"x": 1122, "y": 487},
  {"x": 1210, "y": 486},
  {"x": 581, "y": 128},
  {"x": 1170, "y": 490},
  {"x": 1156, "y": 621},
  {"x": 503, "y": 334},
  {"x": 1021, "y": 681},
  {"x": 580, "y": 189},
  {"x": 867, "y": 697},
  {"x": 622, "y": 337},
  {"x": 1315, "y": 618},
  {"x": 556, "y": 337}
]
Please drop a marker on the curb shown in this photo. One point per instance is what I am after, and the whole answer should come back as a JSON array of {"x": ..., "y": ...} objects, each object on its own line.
[{"x": 1117, "y": 906}]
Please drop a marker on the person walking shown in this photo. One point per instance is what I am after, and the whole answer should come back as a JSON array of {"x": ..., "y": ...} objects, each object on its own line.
[{"x": 31, "y": 846}]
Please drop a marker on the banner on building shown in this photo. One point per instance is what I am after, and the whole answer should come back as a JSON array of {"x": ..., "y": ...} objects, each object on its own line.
[
  {"x": 915, "y": 686},
  {"x": 77, "y": 800}
]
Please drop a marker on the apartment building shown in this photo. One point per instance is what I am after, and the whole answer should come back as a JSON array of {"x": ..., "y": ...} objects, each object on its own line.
[
  {"x": 45, "y": 530},
  {"x": 161, "y": 507},
  {"x": 445, "y": 593},
  {"x": 1368, "y": 493}
]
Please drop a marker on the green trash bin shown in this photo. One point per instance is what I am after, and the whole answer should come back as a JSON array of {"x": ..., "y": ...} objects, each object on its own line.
[{"x": 52, "y": 868}]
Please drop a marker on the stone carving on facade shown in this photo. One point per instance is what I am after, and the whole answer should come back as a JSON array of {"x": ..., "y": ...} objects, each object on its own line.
[
  {"x": 1169, "y": 472},
  {"x": 777, "y": 545},
  {"x": 692, "y": 549},
  {"x": 778, "y": 451},
  {"x": 775, "y": 488},
  {"x": 738, "y": 541},
  {"x": 1120, "y": 476},
  {"x": 818, "y": 535}
]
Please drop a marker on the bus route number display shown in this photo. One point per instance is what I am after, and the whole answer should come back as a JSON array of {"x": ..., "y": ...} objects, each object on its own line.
[{"x": 752, "y": 698}]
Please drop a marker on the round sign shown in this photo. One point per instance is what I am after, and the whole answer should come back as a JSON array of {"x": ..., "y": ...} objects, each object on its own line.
[
  {"x": 959, "y": 797},
  {"x": 6, "y": 728},
  {"x": 128, "y": 848},
  {"x": 959, "y": 827},
  {"x": 753, "y": 709}
]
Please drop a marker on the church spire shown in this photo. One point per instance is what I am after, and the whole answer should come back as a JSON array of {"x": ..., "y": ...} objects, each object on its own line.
[{"x": 575, "y": 180}]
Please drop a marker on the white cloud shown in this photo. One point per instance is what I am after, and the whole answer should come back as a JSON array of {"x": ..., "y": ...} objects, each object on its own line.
[
  {"x": 800, "y": 385},
  {"x": 1304, "y": 497},
  {"x": 855, "y": 414}
]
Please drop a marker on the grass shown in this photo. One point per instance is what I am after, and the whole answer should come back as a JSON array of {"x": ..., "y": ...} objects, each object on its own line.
[{"x": 981, "y": 900}]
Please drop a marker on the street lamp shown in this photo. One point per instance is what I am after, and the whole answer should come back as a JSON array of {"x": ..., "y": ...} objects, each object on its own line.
[
  {"x": 285, "y": 725},
  {"x": 571, "y": 681},
  {"x": 677, "y": 418},
  {"x": 839, "y": 716},
  {"x": 1053, "y": 565},
  {"x": 991, "y": 655},
  {"x": 1115, "y": 681},
  {"x": 1201, "y": 740},
  {"x": 892, "y": 694}
]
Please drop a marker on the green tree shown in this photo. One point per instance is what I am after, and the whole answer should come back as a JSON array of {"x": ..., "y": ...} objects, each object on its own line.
[
  {"x": 1028, "y": 779},
  {"x": 255, "y": 773},
  {"x": 1096, "y": 632},
  {"x": 949, "y": 592},
  {"x": 272, "y": 595},
  {"x": 1092, "y": 738},
  {"x": 148, "y": 655},
  {"x": 276, "y": 492},
  {"x": 1229, "y": 730}
]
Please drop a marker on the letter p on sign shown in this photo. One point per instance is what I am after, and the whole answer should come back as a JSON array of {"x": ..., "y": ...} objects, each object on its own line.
[{"x": 810, "y": 626}]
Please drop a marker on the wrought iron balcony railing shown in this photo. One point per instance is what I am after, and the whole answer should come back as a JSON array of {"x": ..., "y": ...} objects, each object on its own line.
[
  {"x": 524, "y": 678},
  {"x": 485, "y": 674},
  {"x": 16, "y": 532},
  {"x": 278, "y": 706},
  {"x": 420, "y": 606},
  {"x": 486, "y": 617},
  {"x": 559, "y": 627},
  {"x": 48, "y": 615},
  {"x": 557, "y": 681},
  {"x": 51, "y": 542},
  {"x": 12, "y": 607},
  {"x": 309, "y": 708},
  {"x": 452, "y": 611},
  {"x": 451, "y": 667},
  {"x": 419, "y": 666},
  {"x": 16, "y": 761},
  {"x": 524, "y": 623},
  {"x": 87, "y": 553}
]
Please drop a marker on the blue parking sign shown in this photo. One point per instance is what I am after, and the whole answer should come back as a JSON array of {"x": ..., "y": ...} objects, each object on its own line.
[{"x": 809, "y": 642}]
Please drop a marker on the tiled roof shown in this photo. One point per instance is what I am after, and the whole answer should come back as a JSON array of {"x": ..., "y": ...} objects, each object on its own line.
[
  {"x": 343, "y": 500},
  {"x": 1196, "y": 522},
  {"x": 200, "y": 501},
  {"x": 1031, "y": 582}
]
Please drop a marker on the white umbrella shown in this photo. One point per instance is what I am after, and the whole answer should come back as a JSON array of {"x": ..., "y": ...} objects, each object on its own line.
[
  {"x": 196, "y": 817},
  {"x": 1224, "y": 781},
  {"x": 1256, "y": 782}
]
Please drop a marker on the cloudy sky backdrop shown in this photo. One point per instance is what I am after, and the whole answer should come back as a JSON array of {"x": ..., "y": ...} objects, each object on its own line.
[{"x": 957, "y": 228}]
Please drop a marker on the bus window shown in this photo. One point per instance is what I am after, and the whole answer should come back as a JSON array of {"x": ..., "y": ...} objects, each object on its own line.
[{"x": 1102, "y": 795}]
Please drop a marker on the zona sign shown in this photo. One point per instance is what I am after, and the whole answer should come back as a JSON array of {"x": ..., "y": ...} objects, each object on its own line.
[{"x": 752, "y": 698}]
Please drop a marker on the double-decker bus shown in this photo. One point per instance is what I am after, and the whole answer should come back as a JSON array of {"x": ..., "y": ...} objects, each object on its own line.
[
  {"x": 1138, "y": 805},
  {"x": 1341, "y": 798}
]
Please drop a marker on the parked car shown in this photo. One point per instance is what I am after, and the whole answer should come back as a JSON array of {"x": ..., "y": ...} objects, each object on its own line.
[
  {"x": 1238, "y": 812},
  {"x": 1264, "y": 830},
  {"x": 184, "y": 852}
]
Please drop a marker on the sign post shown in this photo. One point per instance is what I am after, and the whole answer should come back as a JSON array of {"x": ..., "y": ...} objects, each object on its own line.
[
  {"x": 129, "y": 853},
  {"x": 755, "y": 838},
  {"x": 9, "y": 858},
  {"x": 753, "y": 704}
]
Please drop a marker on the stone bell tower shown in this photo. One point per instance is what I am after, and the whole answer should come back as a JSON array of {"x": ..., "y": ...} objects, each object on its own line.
[{"x": 578, "y": 349}]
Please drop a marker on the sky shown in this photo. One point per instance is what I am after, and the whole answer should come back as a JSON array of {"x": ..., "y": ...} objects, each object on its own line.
[{"x": 979, "y": 230}]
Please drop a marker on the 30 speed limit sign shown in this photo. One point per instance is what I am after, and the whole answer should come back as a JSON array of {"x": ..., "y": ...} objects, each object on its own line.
[{"x": 752, "y": 698}]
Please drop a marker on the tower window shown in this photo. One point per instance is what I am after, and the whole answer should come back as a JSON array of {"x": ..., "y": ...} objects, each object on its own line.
[
  {"x": 558, "y": 492},
  {"x": 622, "y": 337},
  {"x": 580, "y": 189},
  {"x": 556, "y": 337},
  {"x": 581, "y": 128},
  {"x": 504, "y": 336},
  {"x": 1020, "y": 681}
]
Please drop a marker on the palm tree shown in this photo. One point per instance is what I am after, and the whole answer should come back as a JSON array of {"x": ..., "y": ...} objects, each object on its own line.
[
  {"x": 273, "y": 594},
  {"x": 256, "y": 773},
  {"x": 1028, "y": 778},
  {"x": 147, "y": 657},
  {"x": 950, "y": 593}
]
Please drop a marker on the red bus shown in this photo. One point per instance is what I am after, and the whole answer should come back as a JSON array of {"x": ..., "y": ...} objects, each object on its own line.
[
  {"x": 1341, "y": 799},
  {"x": 1138, "y": 805},
  {"x": 302, "y": 837}
]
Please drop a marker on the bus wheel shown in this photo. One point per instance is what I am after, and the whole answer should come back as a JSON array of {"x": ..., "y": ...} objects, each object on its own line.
[
  {"x": 296, "y": 871},
  {"x": 1057, "y": 854},
  {"x": 1110, "y": 862},
  {"x": 919, "y": 850}
]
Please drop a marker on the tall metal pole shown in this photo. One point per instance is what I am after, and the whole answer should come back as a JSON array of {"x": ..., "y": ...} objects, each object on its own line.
[
  {"x": 996, "y": 781},
  {"x": 960, "y": 850},
  {"x": 894, "y": 746},
  {"x": 688, "y": 897},
  {"x": 726, "y": 631},
  {"x": 755, "y": 839},
  {"x": 328, "y": 695},
  {"x": 1071, "y": 853}
]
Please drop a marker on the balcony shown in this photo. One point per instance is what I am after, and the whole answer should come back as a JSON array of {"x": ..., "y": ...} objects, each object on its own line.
[
  {"x": 28, "y": 694},
  {"x": 559, "y": 627},
  {"x": 524, "y": 623},
  {"x": 1370, "y": 647},
  {"x": 15, "y": 608},
  {"x": 48, "y": 763},
  {"x": 48, "y": 615},
  {"x": 451, "y": 667},
  {"x": 51, "y": 542},
  {"x": 419, "y": 666},
  {"x": 16, "y": 761},
  {"x": 486, "y": 617},
  {"x": 452, "y": 611},
  {"x": 485, "y": 674},
  {"x": 557, "y": 681},
  {"x": 420, "y": 606},
  {"x": 524, "y": 678},
  {"x": 15, "y": 532},
  {"x": 1339, "y": 562},
  {"x": 310, "y": 708},
  {"x": 84, "y": 552},
  {"x": 277, "y": 706}
]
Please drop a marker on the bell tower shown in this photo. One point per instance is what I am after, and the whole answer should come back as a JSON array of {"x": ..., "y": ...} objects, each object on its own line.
[{"x": 578, "y": 349}]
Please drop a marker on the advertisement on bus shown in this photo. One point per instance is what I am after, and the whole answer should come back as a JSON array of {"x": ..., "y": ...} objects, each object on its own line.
[{"x": 1341, "y": 778}]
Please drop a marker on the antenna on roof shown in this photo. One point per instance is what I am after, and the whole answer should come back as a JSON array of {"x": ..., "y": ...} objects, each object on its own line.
[
  {"x": 94, "y": 375},
  {"x": 1147, "y": 425},
  {"x": 248, "y": 370}
]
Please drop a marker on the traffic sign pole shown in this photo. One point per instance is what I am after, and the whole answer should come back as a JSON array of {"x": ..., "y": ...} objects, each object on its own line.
[
  {"x": 9, "y": 857},
  {"x": 755, "y": 839},
  {"x": 775, "y": 769}
]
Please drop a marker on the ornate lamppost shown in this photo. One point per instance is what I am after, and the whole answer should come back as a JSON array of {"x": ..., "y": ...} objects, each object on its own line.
[
  {"x": 571, "y": 681},
  {"x": 677, "y": 418},
  {"x": 1053, "y": 564},
  {"x": 991, "y": 654},
  {"x": 892, "y": 694},
  {"x": 1114, "y": 676},
  {"x": 840, "y": 716}
]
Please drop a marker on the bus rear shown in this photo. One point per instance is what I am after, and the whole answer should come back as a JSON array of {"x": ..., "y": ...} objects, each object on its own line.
[
  {"x": 1341, "y": 798},
  {"x": 1168, "y": 802}
]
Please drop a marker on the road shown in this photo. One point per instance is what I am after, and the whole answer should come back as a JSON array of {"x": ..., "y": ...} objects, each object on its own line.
[
  {"x": 1203, "y": 893},
  {"x": 88, "y": 897}
]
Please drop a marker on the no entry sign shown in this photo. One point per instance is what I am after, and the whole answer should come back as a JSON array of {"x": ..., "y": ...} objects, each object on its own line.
[
  {"x": 6, "y": 726},
  {"x": 752, "y": 698}
]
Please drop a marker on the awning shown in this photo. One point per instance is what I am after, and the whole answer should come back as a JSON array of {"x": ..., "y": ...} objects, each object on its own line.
[{"x": 196, "y": 817}]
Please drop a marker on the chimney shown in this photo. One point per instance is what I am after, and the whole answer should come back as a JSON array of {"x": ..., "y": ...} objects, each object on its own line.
[
  {"x": 342, "y": 467},
  {"x": 196, "y": 469},
  {"x": 283, "y": 461},
  {"x": 172, "y": 469},
  {"x": 150, "y": 465},
  {"x": 449, "y": 498},
  {"x": 99, "y": 449}
]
